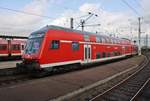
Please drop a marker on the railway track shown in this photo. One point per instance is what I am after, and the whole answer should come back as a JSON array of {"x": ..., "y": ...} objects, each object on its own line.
[
  {"x": 144, "y": 95},
  {"x": 129, "y": 88}
]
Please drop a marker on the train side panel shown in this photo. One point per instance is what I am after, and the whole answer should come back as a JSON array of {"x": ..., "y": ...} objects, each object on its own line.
[
  {"x": 3, "y": 48},
  {"x": 65, "y": 52}
]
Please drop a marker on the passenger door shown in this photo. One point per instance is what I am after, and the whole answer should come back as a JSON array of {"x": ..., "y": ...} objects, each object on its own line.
[
  {"x": 9, "y": 47},
  {"x": 123, "y": 50},
  {"x": 22, "y": 46},
  {"x": 87, "y": 53}
]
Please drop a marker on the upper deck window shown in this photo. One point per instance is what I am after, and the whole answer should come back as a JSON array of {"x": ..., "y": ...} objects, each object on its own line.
[
  {"x": 103, "y": 40},
  {"x": 55, "y": 44},
  {"x": 107, "y": 40},
  {"x": 86, "y": 38},
  {"x": 98, "y": 39},
  {"x": 115, "y": 42},
  {"x": 111, "y": 41}
]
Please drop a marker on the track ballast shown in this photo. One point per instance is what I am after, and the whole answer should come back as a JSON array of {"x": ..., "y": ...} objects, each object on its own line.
[{"x": 128, "y": 89}]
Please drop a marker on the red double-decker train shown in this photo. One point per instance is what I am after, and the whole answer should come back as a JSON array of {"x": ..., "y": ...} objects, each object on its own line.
[
  {"x": 52, "y": 47},
  {"x": 11, "y": 48}
]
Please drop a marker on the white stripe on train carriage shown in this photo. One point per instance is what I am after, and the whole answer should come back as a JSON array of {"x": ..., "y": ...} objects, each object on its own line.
[
  {"x": 3, "y": 54},
  {"x": 60, "y": 63},
  {"x": 106, "y": 59},
  {"x": 66, "y": 41},
  {"x": 15, "y": 54},
  {"x": 80, "y": 61},
  {"x": 81, "y": 42}
]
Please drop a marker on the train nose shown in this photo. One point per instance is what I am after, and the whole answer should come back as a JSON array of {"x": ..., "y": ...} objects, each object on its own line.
[{"x": 29, "y": 56}]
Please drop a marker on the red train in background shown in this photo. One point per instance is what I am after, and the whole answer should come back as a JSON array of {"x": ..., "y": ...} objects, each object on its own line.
[
  {"x": 52, "y": 47},
  {"x": 11, "y": 47}
]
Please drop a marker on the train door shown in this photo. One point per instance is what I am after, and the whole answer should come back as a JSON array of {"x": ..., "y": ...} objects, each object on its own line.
[
  {"x": 9, "y": 47},
  {"x": 22, "y": 48},
  {"x": 123, "y": 50},
  {"x": 87, "y": 53}
]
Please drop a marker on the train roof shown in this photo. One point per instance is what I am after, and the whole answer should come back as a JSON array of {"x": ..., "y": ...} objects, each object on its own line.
[
  {"x": 53, "y": 27},
  {"x": 13, "y": 37}
]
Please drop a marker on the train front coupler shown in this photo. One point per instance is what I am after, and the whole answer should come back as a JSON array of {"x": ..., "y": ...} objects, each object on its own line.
[{"x": 28, "y": 66}]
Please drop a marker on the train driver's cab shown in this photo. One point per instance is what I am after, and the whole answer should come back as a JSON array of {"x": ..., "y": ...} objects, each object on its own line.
[{"x": 33, "y": 45}]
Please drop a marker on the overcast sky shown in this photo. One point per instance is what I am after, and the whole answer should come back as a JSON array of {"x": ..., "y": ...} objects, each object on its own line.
[{"x": 113, "y": 15}]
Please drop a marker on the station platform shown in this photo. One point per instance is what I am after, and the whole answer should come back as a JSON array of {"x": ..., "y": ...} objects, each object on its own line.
[
  {"x": 8, "y": 64},
  {"x": 57, "y": 86}
]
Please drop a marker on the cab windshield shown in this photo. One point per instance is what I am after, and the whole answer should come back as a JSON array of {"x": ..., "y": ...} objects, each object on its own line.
[{"x": 33, "y": 45}]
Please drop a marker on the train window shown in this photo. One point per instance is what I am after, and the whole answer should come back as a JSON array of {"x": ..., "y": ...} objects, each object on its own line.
[
  {"x": 103, "y": 54},
  {"x": 112, "y": 53},
  {"x": 103, "y": 40},
  {"x": 15, "y": 47},
  {"x": 55, "y": 44},
  {"x": 86, "y": 38},
  {"x": 107, "y": 40},
  {"x": 114, "y": 41},
  {"x": 98, "y": 39},
  {"x": 98, "y": 55},
  {"x": 22, "y": 46},
  {"x": 108, "y": 54},
  {"x": 3, "y": 47},
  {"x": 75, "y": 46},
  {"x": 119, "y": 41},
  {"x": 126, "y": 48},
  {"x": 116, "y": 53},
  {"x": 110, "y": 41}
]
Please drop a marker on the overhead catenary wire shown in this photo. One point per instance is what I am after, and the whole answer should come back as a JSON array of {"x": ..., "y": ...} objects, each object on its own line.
[
  {"x": 137, "y": 2},
  {"x": 133, "y": 9},
  {"x": 24, "y": 12}
]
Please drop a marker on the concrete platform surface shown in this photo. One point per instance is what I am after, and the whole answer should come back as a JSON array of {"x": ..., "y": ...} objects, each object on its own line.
[{"x": 8, "y": 64}]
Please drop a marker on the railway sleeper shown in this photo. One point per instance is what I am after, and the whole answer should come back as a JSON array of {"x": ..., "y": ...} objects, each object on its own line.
[
  {"x": 129, "y": 89},
  {"x": 119, "y": 95},
  {"x": 110, "y": 98},
  {"x": 117, "y": 91}
]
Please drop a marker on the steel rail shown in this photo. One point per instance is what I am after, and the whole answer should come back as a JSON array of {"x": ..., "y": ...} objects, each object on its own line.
[
  {"x": 139, "y": 91},
  {"x": 124, "y": 80}
]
